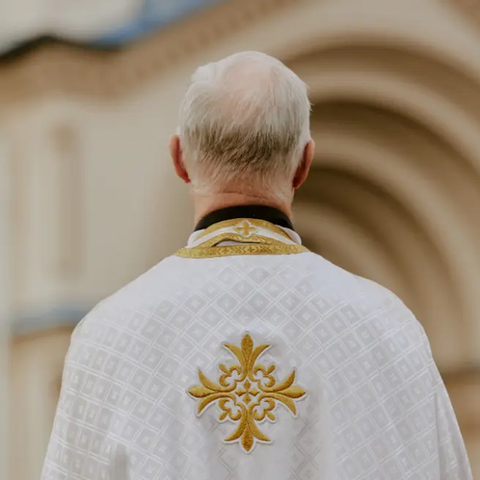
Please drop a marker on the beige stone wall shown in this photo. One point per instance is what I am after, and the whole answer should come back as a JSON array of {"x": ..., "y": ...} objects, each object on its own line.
[
  {"x": 36, "y": 363},
  {"x": 392, "y": 195},
  {"x": 4, "y": 304}
]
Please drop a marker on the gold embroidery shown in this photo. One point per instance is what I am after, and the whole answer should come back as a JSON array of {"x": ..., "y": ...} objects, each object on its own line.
[
  {"x": 245, "y": 229},
  {"x": 235, "y": 237},
  {"x": 251, "y": 221},
  {"x": 235, "y": 250},
  {"x": 247, "y": 394}
]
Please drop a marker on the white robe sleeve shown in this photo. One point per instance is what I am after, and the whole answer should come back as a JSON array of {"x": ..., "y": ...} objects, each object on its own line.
[
  {"x": 446, "y": 443},
  {"x": 448, "y": 454},
  {"x": 81, "y": 447},
  {"x": 452, "y": 454}
]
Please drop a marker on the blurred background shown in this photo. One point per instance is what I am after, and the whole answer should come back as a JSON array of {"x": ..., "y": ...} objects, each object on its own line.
[{"x": 89, "y": 92}]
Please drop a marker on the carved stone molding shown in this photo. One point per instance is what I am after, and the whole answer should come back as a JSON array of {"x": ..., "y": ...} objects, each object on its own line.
[
  {"x": 469, "y": 8},
  {"x": 110, "y": 74}
]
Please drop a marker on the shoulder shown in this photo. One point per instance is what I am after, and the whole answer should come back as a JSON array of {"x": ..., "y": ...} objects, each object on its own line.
[
  {"x": 134, "y": 300},
  {"x": 394, "y": 326},
  {"x": 366, "y": 297},
  {"x": 322, "y": 270},
  {"x": 382, "y": 322}
]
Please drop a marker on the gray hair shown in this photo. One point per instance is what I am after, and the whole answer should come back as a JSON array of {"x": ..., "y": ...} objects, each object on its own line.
[{"x": 244, "y": 120}]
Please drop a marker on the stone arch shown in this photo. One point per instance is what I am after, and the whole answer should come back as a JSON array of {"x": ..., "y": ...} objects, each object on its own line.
[{"x": 397, "y": 178}]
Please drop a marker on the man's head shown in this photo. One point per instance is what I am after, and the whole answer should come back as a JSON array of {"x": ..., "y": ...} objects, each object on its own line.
[{"x": 244, "y": 129}]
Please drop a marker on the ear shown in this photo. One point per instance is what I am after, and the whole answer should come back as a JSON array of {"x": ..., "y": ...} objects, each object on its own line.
[
  {"x": 177, "y": 158},
  {"x": 302, "y": 171}
]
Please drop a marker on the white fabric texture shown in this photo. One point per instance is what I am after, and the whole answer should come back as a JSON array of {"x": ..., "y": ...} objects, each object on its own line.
[{"x": 374, "y": 406}]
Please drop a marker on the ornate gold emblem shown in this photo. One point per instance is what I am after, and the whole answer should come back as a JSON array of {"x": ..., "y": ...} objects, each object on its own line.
[
  {"x": 245, "y": 229},
  {"x": 247, "y": 394}
]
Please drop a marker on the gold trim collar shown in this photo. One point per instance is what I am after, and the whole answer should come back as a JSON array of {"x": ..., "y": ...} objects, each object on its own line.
[{"x": 242, "y": 236}]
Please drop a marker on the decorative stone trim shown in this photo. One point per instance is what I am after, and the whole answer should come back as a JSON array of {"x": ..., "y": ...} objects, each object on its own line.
[
  {"x": 469, "y": 8},
  {"x": 58, "y": 67}
]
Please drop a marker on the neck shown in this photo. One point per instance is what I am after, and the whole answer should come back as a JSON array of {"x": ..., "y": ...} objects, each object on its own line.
[{"x": 204, "y": 204}]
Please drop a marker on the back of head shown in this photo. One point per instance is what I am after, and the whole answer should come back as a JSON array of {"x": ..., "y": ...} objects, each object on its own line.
[{"x": 244, "y": 123}]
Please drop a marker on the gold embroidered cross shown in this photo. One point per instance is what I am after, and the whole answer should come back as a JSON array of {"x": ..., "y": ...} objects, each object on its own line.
[
  {"x": 245, "y": 229},
  {"x": 247, "y": 394}
]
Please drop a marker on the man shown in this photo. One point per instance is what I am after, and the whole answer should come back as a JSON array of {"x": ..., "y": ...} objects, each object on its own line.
[{"x": 244, "y": 356}]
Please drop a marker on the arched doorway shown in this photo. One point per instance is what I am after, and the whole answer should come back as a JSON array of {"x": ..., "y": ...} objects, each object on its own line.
[{"x": 393, "y": 190}]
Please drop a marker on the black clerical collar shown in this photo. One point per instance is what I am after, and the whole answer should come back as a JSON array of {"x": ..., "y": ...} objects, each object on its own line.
[{"x": 257, "y": 212}]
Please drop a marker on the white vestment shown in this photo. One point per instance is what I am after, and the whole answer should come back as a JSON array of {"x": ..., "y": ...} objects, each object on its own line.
[{"x": 246, "y": 357}]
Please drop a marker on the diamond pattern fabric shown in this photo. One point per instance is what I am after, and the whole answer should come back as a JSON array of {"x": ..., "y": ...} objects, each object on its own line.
[{"x": 375, "y": 406}]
